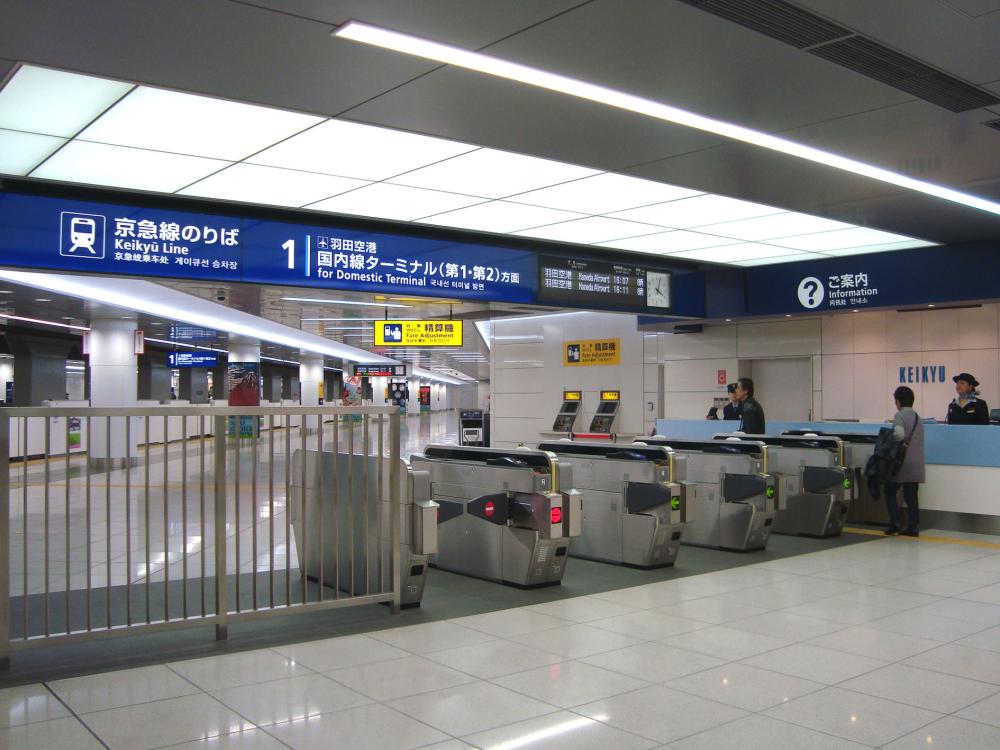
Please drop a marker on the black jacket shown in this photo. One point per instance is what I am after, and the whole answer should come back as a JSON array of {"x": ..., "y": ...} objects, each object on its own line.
[
  {"x": 731, "y": 411},
  {"x": 752, "y": 417},
  {"x": 974, "y": 412}
]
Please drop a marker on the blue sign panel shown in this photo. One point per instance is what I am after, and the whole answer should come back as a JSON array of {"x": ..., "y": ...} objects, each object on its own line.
[
  {"x": 193, "y": 359},
  {"x": 181, "y": 332}
]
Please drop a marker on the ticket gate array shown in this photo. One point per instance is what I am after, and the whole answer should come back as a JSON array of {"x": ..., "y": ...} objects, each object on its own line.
[
  {"x": 505, "y": 516},
  {"x": 736, "y": 498},
  {"x": 634, "y": 505},
  {"x": 813, "y": 483},
  {"x": 344, "y": 520}
]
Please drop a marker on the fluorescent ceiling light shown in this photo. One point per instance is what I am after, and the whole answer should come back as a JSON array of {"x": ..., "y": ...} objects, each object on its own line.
[
  {"x": 697, "y": 211},
  {"x": 341, "y": 302},
  {"x": 779, "y": 259},
  {"x": 669, "y": 242},
  {"x": 22, "y": 152},
  {"x": 196, "y": 125},
  {"x": 735, "y": 253},
  {"x": 335, "y": 320},
  {"x": 841, "y": 239},
  {"x": 776, "y": 225},
  {"x": 879, "y": 248},
  {"x": 43, "y": 322},
  {"x": 280, "y": 187},
  {"x": 553, "y": 82},
  {"x": 386, "y": 201},
  {"x": 350, "y": 149},
  {"x": 492, "y": 174},
  {"x": 116, "y": 166},
  {"x": 53, "y": 102},
  {"x": 348, "y": 328},
  {"x": 499, "y": 216},
  {"x": 590, "y": 230},
  {"x": 603, "y": 193}
]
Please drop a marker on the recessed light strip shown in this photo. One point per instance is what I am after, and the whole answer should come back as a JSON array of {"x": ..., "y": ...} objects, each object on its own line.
[
  {"x": 44, "y": 322},
  {"x": 477, "y": 61}
]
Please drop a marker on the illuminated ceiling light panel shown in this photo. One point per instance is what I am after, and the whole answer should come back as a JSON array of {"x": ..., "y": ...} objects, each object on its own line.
[
  {"x": 196, "y": 125},
  {"x": 735, "y": 253},
  {"x": 350, "y": 149},
  {"x": 22, "y": 152},
  {"x": 776, "y": 225},
  {"x": 841, "y": 239},
  {"x": 53, "y": 102},
  {"x": 880, "y": 248},
  {"x": 280, "y": 187},
  {"x": 320, "y": 301},
  {"x": 482, "y": 63},
  {"x": 696, "y": 212},
  {"x": 669, "y": 242},
  {"x": 492, "y": 174},
  {"x": 590, "y": 230},
  {"x": 386, "y": 201},
  {"x": 499, "y": 216},
  {"x": 779, "y": 259},
  {"x": 603, "y": 193},
  {"x": 117, "y": 166}
]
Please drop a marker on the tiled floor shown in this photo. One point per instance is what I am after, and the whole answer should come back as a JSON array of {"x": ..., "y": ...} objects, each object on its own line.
[{"x": 784, "y": 654}]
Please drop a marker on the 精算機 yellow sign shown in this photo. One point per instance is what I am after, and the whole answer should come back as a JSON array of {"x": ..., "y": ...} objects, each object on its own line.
[
  {"x": 418, "y": 333},
  {"x": 592, "y": 352}
]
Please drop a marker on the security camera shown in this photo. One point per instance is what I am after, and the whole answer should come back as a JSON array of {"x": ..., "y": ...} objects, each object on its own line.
[{"x": 220, "y": 294}]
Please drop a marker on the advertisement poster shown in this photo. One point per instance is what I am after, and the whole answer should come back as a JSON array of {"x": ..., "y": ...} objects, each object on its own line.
[
  {"x": 425, "y": 398},
  {"x": 398, "y": 395},
  {"x": 351, "y": 394},
  {"x": 244, "y": 390},
  {"x": 75, "y": 434}
]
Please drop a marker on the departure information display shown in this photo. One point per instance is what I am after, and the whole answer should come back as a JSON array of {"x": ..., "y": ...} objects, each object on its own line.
[{"x": 589, "y": 282}]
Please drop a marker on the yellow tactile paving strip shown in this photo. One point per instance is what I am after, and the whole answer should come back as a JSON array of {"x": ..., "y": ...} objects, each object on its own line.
[{"x": 925, "y": 538}]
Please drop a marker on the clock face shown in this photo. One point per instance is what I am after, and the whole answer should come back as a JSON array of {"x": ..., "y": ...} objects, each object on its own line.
[{"x": 657, "y": 289}]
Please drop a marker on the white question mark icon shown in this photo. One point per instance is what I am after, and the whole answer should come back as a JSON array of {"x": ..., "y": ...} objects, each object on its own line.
[{"x": 811, "y": 292}]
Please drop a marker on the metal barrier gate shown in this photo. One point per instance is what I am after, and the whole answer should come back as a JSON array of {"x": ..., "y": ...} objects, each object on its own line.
[{"x": 194, "y": 530}]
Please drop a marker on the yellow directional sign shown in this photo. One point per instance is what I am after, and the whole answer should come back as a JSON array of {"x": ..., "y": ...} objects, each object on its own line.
[
  {"x": 592, "y": 352},
  {"x": 418, "y": 333}
]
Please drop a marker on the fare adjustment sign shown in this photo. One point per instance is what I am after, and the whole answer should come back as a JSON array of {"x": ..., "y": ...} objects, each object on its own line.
[
  {"x": 418, "y": 333},
  {"x": 592, "y": 352}
]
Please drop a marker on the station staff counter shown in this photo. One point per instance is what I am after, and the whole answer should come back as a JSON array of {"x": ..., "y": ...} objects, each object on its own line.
[
  {"x": 505, "y": 515},
  {"x": 736, "y": 498},
  {"x": 634, "y": 501},
  {"x": 352, "y": 518},
  {"x": 813, "y": 482}
]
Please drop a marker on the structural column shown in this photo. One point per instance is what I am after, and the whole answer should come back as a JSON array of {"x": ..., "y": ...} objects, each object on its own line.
[
  {"x": 311, "y": 383},
  {"x": 113, "y": 383}
]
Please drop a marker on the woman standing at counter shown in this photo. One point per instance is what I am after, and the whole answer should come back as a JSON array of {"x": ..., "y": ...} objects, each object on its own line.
[{"x": 967, "y": 408}]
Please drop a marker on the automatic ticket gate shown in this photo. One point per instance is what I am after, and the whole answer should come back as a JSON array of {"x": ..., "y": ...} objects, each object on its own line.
[
  {"x": 736, "y": 498},
  {"x": 813, "y": 483},
  {"x": 504, "y": 515},
  {"x": 858, "y": 448},
  {"x": 339, "y": 528},
  {"x": 634, "y": 505}
]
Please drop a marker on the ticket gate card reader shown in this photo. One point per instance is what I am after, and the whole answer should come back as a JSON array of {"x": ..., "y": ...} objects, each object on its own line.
[
  {"x": 569, "y": 412},
  {"x": 605, "y": 421},
  {"x": 736, "y": 498},
  {"x": 634, "y": 509},
  {"x": 858, "y": 448},
  {"x": 505, "y": 515},
  {"x": 472, "y": 426},
  {"x": 330, "y": 526},
  {"x": 813, "y": 483}
]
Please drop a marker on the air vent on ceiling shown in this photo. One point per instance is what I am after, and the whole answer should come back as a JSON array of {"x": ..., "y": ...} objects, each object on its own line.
[
  {"x": 995, "y": 124},
  {"x": 777, "y": 19},
  {"x": 805, "y": 30}
]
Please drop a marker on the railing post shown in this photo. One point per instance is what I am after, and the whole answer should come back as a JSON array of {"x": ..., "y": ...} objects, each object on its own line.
[
  {"x": 394, "y": 479},
  {"x": 5, "y": 542},
  {"x": 221, "y": 597}
]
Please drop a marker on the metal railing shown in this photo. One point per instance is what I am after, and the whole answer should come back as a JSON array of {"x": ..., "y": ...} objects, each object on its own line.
[{"x": 180, "y": 516}]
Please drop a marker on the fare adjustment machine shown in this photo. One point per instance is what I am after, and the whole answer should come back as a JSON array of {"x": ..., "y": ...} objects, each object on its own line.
[
  {"x": 605, "y": 421},
  {"x": 569, "y": 413}
]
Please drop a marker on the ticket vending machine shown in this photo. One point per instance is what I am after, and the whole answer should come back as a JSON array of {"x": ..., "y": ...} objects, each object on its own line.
[
  {"x": 605, "y": 421},
  {"x": 472, "y": 427},
  {"x": 569, "y": 413}
]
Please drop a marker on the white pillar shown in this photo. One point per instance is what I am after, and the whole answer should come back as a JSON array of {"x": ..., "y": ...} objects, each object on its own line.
[
  {"x": 113, "y": 383},
  {"x": 310, "y": 383}
]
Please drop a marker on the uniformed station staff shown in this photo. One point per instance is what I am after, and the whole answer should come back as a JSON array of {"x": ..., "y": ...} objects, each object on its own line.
[{"x": 967, "y": 407}]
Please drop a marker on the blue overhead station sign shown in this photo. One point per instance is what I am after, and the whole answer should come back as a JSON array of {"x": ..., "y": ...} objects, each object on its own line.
[{"x": 193, "y": 359}]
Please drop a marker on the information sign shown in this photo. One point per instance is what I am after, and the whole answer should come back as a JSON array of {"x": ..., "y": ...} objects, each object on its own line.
[
  {"x": 193, "y": 359},
  {"x": 572, "y": 395},
  {"x": 592, "y": 352},
  {"x": 380, "y": 371},
  {"x": 611, "y": 395},
  {"x": 596, "y": 283},
  {"x": 418, "y": 333}
]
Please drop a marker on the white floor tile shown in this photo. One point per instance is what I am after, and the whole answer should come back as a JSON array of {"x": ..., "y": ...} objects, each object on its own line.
[
  {"x": 839, "y": 612},
  {"x": 231, "y": 670},
  {"x": 581, "y": 609},
  {"x": 371, "y": 727},
  {"x": 649, "y": 625},
  {"x": 961, "y": 609},
  {"x": 876, "y": 644},
  {"x": 725, "y": 642},
  {"x": 285, "y": 700},
  {"x": 961, "y": 661},
  {"x": 167, "y": 722},
  {"x": 745, "y": 687},
  {"x": 449, "y": 745},
  {"x": 644, "y": 597},
  {"x": 335, "y": 653},
  {"x": 569, "y": 683},
  {"x": 921, "y": 688},
  {"x": 853, "y": 716},
  {"x": 430, "y": 636},
  {"x": 507, "y": 623},
  {"x": 494, "y": 659},
  {"x": 560, "y": 731},
  {"x": 950, "y": 732},
  {"x": 934, "y": 586},
  {"x": 712, "y": 610},
  {"x": 471, "y": 708},
  {"x": 248, "y": 739},
  {"x": 986, "y": 594},
  {"x": 759, "y": 732},
  {"x": 986, "y": 711},
  {"x": 27, "y": 704},
  {"x": 653, "y": 662},
  {"x": 57, "y": 734},
  {"x": 924, "y": 625},
  {"x": 385, "y": 680},
  {"x": 660, "y": 713},
  {"x": 576, "y": 641},
  {"x": 815, "y": 663},
  {"x": 126, "y": 687},
  {"x": 784, "y": 625},
  {"x": 988, "y": 640}
]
